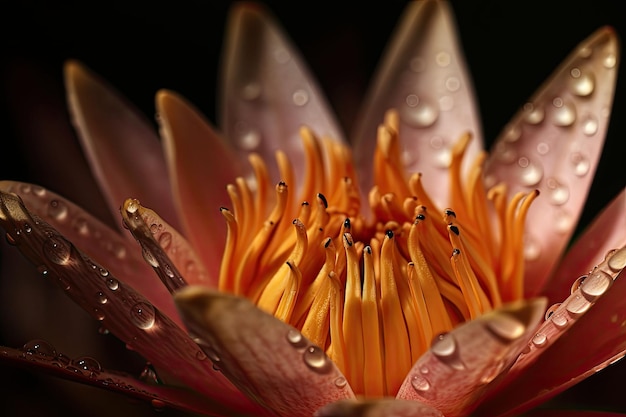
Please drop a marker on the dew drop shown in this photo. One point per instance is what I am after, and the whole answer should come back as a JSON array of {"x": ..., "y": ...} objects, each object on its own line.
[
  {"x": 419, "y": 383},
  {"x": 617, "y": 261},
  {"x": 420, "y": 115},
  {"x": 577, "y": 305},
  {"x": 113, "y": 284},
  {"x": 577, "y": 283},
  {"x": 565, "y": 113},
  {"x": 119, "y": 251},
  {"x": 540, "y": 340},
  {"x": 581, "y": 164},
  {"x": 103, "y": 272},
  {"x": 149, "y": 375},
  {"x": 505, "y": 327},
  {"x": 57, "y": 210},
  {"x": 563, "y": 221},
  {"x": 341, "y": 382},
  {"x": 444, "y": 347},
  {"x": 505, "y": 153},
  {"x": 530, "y": 172},
  {"x": 143, "y": 315},
  {"x": 165, "y": 240},
  {"x": 551, "y": 310},
  {"x": 300, "y": 97},
  {"x": 585, "y": 52},
  {"x": 99, "y": 314},
  {"x": 57, "y": 250},
  {"x": 590, "y": 126},
  {"x": 532, "y": 249},
  {"x": 88, "y": 364},
  {"x": 149, "y": 257},
  {"x": 582, "y": 83},
  {"x": 443, "y": 59},
  {"x": 315, "y": 358},
  {"x": 295, "y": 338},
  {"x": 41, "y": 348},
  {"x": 533, "y": 115},
  {"x": 101, "y": 297},
  {"x": 81, "y": 226},
  {"x": 453, "y": 84},
  {"x": 251, "y": 91},
  {"x": 132, "y": 206},
  {"x": 543, "y": 148},
  {"x": 512, "y": 134},
  {"x": 443, "y": 158},
  {"x": 559, "y": 320},
  {"x": 609, "y": 61},
  {"x": 558, "y": 193},
  {"x": 62, "y": 360},
  {"x": 27, "y": 228},
  {"x": 168, "y": 271},
  {"x": 596, "y": 284}
]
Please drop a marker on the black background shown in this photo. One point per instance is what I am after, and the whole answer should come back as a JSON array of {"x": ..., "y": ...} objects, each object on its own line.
[{"x": 141, "y": 47}]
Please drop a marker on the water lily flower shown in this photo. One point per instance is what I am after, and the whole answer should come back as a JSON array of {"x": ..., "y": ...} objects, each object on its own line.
[{"x": 281, "y": 272}]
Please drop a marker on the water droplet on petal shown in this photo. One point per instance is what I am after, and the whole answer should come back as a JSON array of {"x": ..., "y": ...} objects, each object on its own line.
[
  {"x": 596, "y": 284},
  {"x": 453, "y": 84},
  {"x": 558, "y": 193},
  {"x": 40, "y": 348},
  {"x": 113, "y": 284},
  {"x": 532, "y": 249},
  {"x": 512, "y": 134},
  {"x": 295, "y": 338},
  {"x": 149, "y": 257},
  {"x": 617, "y": 261},
  {"x": 443, "y": 59},
  {"x": 533, "y": 114},
  {"x": 505, "y": 327},
  {"x": 420, "y": 384},
  {"x": 543, "y": 148},
  {"x": 563, "y": 221},
  {"x": 149, "y": 375},
  {"x": 88, "y": 364},
  {"x": 251, "y": 91},
  {"x": 551, "y": 310},
  {"x": 341, "y": 382},
  {"x": 315, "y": 358},
  {"x": 81, "y": 226},
  {"x": 57, "y": 210},
  {"x": 582, "y": 83},
  {"x": 609, "y": 61},
  {"x": 581, "y": 164},
  {"x": 300, "y": 97},
  {"x": 590, "y": 126},
  {"x": 143, "y": 315},
  {"x": 57, "y": 250},
  {"x": 444, "y": 347},
  {"x": 132, "y": 206},
  {"x": 419, "y": 114},
  {"x": 530, "y": 172},
  {"x": 577, "y": 305},
  {"x": 505, "y": 153},
  {"x": 165, "y": 240},
  {"x": 577, "y": 283},
  {"x": 99, "y": 314},
  {"x": 564, "y": 113},
  {"x": 101, "y": 297},
  {"x": 540, "y": 340},
  {"x": 559, "y": 319}
]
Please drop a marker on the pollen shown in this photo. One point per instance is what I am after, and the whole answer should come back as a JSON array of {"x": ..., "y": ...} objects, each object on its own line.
[{"x": 372, "y": 279}]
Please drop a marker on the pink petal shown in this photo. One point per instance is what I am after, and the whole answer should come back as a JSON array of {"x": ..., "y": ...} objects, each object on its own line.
[
  {"x": 42, "y": 357},
  {"x": 267, "y": 359},
  {"x": 596, "y": 340},
  {"x": 267, "y": 91},
  {"x": 122, "y": 147},
  {"x": 607, "y": 232},
  {"x": 200, "y": 166},
  {"x": 378, "y": 408},
  {"x": 571, "y": 413},
  {"x": 424, "y": 76},
  {"x": 124, "y": 312},
  {"x": 164, "y": 249},
  {"x": 101, "y": 243},
  {"x": 553, "y": 144},
  {"x": 457, "y": 369}
]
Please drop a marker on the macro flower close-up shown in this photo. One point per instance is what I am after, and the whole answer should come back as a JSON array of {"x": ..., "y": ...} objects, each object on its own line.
[{"x": 382, "y": 253}]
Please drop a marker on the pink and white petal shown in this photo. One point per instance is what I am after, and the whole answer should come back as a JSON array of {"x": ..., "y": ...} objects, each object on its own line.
[
  {"x": 423, "y": 75},
  {"x": 267, "y": 91},
  {"x": 123, "y": 311},
  {"x": 200, "y": 166},
  {"x": 378, "y": 408},
  {"x": 101, "y": 243},
  {"x": 121, "y": 146},
  {"x": 605, "y": 233},
  {"x": 571, "y": 413},
  {"x": 553, "y": 144},
  {"x": 40, "y": 356},
  {"x": 600, "y": 332},
  {"x": 164, "y": 249},
  {"x": 267, "y": 359},
  {"x": 460, "y": 365}
]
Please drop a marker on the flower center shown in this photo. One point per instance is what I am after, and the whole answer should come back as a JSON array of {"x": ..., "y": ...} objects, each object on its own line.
[{"x": 372, "y": 291}]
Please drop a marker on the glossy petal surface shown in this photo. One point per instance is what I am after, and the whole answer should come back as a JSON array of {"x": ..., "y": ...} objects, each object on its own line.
[
  {"x": 267, "y": 91},
  {"x": 456, "y": 370},
  {"x": 377, "y": 408},
  {"x": 553, "y": 144},
  {"x": 200, "y": 166},
  {"x": 423, "y": 75},
  {"x": 267, "y": 359},
  {"x": 122, "y": 147}
]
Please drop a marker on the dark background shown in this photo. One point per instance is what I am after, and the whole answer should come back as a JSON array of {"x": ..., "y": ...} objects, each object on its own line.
[{"x": 140, "y": 47}]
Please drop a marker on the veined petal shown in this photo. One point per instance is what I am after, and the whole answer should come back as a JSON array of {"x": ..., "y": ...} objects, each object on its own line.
[
  {"x": 200, "y": 166},
  {"x": 43, "y": 357},
  {"x": 457, "y": 369},
  {"x": 602, "y": 332},
  {"x": 267, "y": 359},
  {"x": 606, "y": 232},
  {"x": 123, "y": 311},
  {"x": 122, "y": 148},
  {"x": 267, "y": 91},
  {"x": 423, "y": 75},
  {"x": 553, "y": 144},
  {"x": 378, "y": 408},
  {"x": 101, "y": 243}
]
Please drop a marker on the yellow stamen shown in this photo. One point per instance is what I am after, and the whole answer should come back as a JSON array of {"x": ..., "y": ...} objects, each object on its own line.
[{"x": 406, "y": 273}]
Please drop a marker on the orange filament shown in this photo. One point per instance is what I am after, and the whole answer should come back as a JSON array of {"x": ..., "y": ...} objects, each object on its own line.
[{"x": 372, "y": 291}]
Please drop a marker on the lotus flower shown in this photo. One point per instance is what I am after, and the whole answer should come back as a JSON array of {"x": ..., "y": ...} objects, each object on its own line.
[{"x": 414, "y": 285}]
